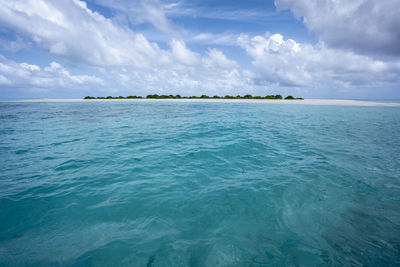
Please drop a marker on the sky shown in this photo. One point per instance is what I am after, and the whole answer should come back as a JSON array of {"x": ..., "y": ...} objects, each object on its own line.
[{"x": 306, "y": 48}]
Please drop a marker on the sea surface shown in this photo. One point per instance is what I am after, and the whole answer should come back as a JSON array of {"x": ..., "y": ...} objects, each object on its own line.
[{"x": 198, "y": 184}]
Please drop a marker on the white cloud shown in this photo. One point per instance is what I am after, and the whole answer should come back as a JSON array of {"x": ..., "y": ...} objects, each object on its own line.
[
  {"x": 182, "y": 54},
  {"x": 188, "y": 74},
  {"x": 217, "y": 12},
  {"x": 71, "y": 30},
  {"x": 217, "y": 60},
  {"x": 16, "y": 45},
  {"x": 29, "y": 67},
  {"x": 143, "y": 11},
  {"x": 289, "y": 63},
  {"x": 4, "y": 80},
  {"x": 153, "y": 12},
  {"x": 15, "y": 74},
  {"x": 225, "y": 38},
  {"x": 364, "y": 26}
]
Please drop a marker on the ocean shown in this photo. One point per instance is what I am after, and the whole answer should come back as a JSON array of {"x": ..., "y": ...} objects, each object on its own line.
[{"x": 198, "y": 184}]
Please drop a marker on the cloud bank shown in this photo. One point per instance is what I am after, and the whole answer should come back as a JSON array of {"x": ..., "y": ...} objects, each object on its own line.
[
  {"x": 52, "y": 76},
  {"x": 365, "y": 26},
  {"x": 289, "y": 63}
]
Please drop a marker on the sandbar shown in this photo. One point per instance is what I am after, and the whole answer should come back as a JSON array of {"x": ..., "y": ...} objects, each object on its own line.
[{"x": 323, "y": 102}]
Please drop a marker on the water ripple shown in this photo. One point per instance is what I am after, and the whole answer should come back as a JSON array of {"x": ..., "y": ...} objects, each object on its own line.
[{"x": 199, "y": 184}]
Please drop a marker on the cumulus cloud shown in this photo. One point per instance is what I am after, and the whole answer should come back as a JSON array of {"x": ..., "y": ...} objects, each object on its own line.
[
  {"x": 13, "y": 74},
  {"x": 217, "y": 60},
  {"x": 182, "y": 54},
  {"x": 71, "y": 30},
  {"x": 289, "y": 63},
  {"x": 364, "y": 26},
  {"x": 189, "y": 74},
  {"x": 164, "y": 81}
]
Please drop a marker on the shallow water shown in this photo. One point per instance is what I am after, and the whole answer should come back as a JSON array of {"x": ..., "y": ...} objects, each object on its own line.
[{"x": 199, "y": 184}]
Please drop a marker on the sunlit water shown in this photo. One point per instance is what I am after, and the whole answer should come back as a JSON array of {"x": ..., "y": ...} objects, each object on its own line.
[{"x": 199, "y": 184}]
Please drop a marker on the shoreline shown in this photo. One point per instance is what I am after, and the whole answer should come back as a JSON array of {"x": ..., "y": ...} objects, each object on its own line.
[{"x": 322, "y": 102}]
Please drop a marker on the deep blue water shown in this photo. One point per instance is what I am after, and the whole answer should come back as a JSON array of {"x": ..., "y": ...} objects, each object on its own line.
[{"x": 199, "y": 184}]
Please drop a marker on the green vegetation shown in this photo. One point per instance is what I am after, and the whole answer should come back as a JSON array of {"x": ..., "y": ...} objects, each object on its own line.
[
  {"x": 289, "y": 97},
  {"x": 156, "y": 96}
]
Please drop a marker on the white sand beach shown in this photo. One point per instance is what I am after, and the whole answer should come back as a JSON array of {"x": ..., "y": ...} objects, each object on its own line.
[{"x": 324, "y": 102}]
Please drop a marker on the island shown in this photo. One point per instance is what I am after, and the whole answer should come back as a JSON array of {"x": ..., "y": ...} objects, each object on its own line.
[{"x": 156, "y": 96}]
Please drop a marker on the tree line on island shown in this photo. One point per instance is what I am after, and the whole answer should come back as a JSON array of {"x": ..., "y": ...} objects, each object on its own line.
[{"x": 156, "y": 96}]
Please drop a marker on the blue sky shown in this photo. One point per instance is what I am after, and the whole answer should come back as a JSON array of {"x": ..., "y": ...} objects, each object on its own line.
[{"x": 313, "y": 49}]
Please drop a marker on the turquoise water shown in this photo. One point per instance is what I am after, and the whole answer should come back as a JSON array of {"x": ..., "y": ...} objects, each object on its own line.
[{"x": 199, "y": 184}]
